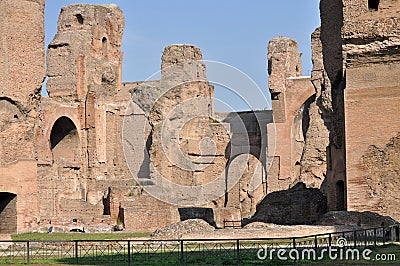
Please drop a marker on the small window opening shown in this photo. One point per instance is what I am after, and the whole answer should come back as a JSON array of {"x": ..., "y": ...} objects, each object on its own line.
[
  {"x": 275, "y": 95},
  {"x": 373, "y": 5},
  {"x": 79, "y": 18},
  {"x": 105, "y": 48}
]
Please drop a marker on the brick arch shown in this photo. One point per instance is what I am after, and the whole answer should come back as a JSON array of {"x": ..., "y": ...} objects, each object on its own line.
[
  {"x": 64, "y": 141},
  {"x": 9, "y": 109},
  {"x": 249, "y": 176}
]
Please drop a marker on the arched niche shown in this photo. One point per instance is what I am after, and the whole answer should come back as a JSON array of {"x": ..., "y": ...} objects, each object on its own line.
[{"x": 64, "y": 141}]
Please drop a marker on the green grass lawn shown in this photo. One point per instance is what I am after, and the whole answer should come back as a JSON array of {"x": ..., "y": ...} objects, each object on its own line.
[
  {"x": 146, "y": 254},
  {"x": 78, "y": 236},
  {"x": 207, "y": 257}
]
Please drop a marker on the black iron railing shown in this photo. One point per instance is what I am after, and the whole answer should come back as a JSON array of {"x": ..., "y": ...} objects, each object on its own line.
[{"x": 182, "y": 251}]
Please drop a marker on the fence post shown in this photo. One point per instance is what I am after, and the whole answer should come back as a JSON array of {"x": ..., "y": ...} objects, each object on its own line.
[
  {"x": 398, "y": 233},
  {"x": 330, "y": 240},
  {"x": 76, "y": 252},
  {"x": 28, "y": 256},
  {"x": 365, "y": 238},
  {"x": 129, "y": 253},
  {"x": 294, "y": 242},
  {"x": 315, "y": 243},
  {"x": 355, "y": 238},
  {"x": 182, "y": 258},
  {"x": 238, "y": 251},
  {"x": 375, "y": 237},
  {"x": 384, "y": 235}
]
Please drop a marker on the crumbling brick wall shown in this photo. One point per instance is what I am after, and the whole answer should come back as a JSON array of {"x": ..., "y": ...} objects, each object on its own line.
[
  {"x": 289, "y": 93},
  {"x": 372, "y": 96},
  {"x": 80, "y": 123},
  {"x": 21, "y": 75},
  {"x": 323, "y": 159}
]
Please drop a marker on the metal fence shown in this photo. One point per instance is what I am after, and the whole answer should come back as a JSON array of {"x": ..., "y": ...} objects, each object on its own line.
[{"x": 183, "y": 252}]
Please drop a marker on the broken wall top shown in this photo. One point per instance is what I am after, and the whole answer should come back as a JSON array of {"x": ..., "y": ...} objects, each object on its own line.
[
  {"x": 85, "y": 55},
  {"x": 366, "y": 20},
  {"x": 182, "y": 63},
  {"x": 284, "y": 61},
  {"x": 371, "y": 31},
  {"x": 183, "y": 75},
  {"x": 101, "y": 20}
]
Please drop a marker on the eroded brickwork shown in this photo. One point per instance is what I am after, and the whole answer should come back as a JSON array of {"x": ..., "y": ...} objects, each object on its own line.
[
  {"x": 21, "y": 74},
  {"x": 98, "y": 152},
  {"x": 79, "y": 132},
  {"x": 372, "y": 97},
  {"x": 289, "y": 92}
]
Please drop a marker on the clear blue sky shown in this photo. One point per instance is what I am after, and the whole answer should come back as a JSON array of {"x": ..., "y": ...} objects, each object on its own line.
[{"x": 234, "y": 32}]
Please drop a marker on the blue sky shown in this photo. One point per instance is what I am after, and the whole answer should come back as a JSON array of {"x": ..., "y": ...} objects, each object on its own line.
[{"x": 234, "y": 32}]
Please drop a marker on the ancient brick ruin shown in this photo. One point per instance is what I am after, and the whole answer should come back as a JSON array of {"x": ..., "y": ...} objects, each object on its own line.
[{"x": 97, "y": 151}]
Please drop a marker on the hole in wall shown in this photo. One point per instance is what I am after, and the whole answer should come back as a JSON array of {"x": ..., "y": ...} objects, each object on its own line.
[
  {"x": 275, "y": 95},
  {"x": 104, "y": 46},
  {"x": 373, "y": 5},
  {"x": 340, "y": 196},
  {"x": 79, "y": 19}
]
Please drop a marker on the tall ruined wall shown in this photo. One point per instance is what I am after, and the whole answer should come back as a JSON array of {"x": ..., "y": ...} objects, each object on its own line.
[
  {"x": 187, "y": 147},
  {"x": 80, "y": 127},
  {"x": 290, "y": 93},
  {"x": 372, "y": 97},
  {"x": 355, "y": 74},
  {"x": 196, "y": 160},
  {"x": 21, "y": 75},
  {"x": 323, "y": 159}
]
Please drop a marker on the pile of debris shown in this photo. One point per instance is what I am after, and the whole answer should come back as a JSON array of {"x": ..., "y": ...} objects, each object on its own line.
[{"x": 177, "y": 230}]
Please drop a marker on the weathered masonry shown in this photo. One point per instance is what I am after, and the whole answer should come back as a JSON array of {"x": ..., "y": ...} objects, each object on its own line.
[{"x": 98, "y": 151}]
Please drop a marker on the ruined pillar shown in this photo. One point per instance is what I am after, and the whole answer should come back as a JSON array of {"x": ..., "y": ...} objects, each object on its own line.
[
  {"x": 84, "y": 62},
  {"x": 181, "y": 120},
  {"x": 85, "y": 55},
  {"x": 289, "y": 92},
  {"x": 284, "y": 61},
  {"x": 323, "y": 160}
]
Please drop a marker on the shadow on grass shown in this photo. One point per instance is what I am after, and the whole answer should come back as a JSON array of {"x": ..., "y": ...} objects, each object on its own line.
[{"x": 174, "y": 258}]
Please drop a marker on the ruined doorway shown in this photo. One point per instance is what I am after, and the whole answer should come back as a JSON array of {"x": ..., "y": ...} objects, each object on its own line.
[
  {"x": 340, "y": 196},
  {"x": 107, "y": 203},
  {"x": 8, "y": 213},
  {"x": 64, "y": 140}
]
